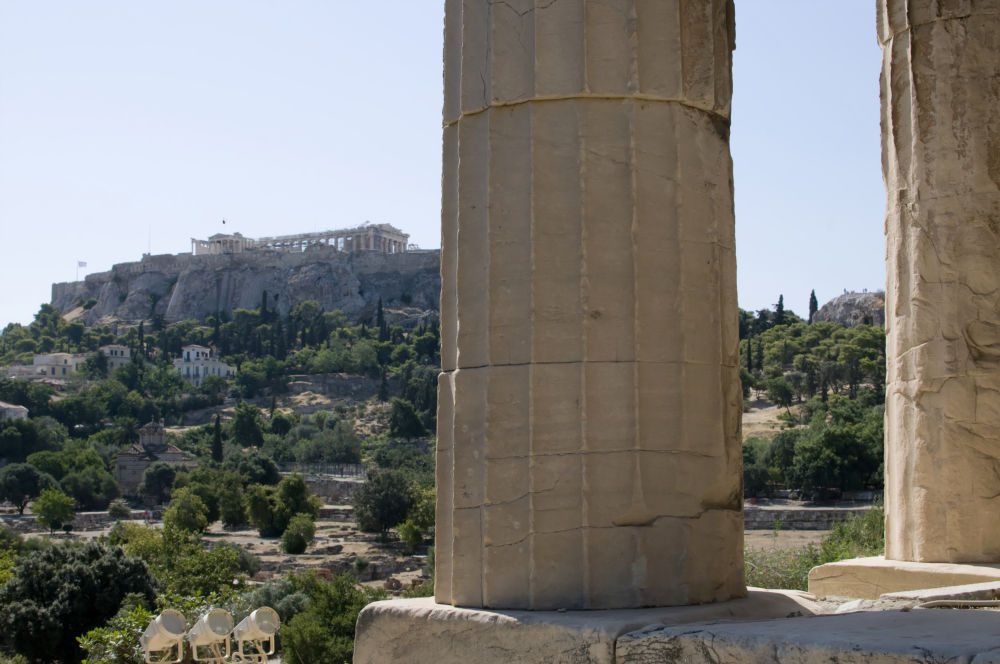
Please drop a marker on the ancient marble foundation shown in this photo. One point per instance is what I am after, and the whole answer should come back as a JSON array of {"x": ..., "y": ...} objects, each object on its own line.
[
  {"x": 941, "y": 160},
  {"x": 589, "y": 406}
]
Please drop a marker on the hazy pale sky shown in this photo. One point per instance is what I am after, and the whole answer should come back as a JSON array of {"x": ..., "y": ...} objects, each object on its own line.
[{"x": 128, "y": 127}]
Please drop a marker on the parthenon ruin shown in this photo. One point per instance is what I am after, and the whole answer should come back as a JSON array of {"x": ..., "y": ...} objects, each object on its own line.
[{"x": 384, "y": 238}]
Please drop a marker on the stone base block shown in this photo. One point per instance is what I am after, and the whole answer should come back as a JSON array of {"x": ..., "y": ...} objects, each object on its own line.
[
  {"x": 888, "y": 637},
  {"x": 418, "y": 630},
  {"x": 869, "y": 578},
  {"x": 767, "y": 627}
]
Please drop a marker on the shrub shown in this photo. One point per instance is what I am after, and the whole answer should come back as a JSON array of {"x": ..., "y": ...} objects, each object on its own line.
[
  {"x": 119, "y": 510},
  {"x": 248, "y": 562},
  {"x": 117, "y": 642},
  {"x": 324, "y": 632},
  {"x": 780, "y": 568},
  {"x": 861, "y": 535},
  {"x": 298, "y": 535}
]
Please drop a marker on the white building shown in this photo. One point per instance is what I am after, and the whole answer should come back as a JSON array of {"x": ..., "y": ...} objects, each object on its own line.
[
  {"x": 197, "y": 362},
  {"x": 118, "y": 355},
  {"x": 59, "y": 364}
]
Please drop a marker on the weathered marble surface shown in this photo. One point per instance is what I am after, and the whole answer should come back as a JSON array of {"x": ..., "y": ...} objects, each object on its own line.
[
  {"x": 888, "y": 637},
  {"x": 767, "y": 626},
  {"x": 589, "y": 409},
  {"x": 941, "y": 160},
  {"x": 870, "y": 578},
  {"x": 418, "y": 630}
]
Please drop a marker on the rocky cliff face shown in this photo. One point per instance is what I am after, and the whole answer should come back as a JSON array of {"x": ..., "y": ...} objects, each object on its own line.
[
  {"x": 185, "y": 286},
  {"x": 854, "y": 309}
]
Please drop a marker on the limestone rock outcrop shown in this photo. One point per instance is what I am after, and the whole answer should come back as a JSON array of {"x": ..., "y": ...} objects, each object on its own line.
[
  {"x": 185, "y": 286},
  {"x": 854, "y": 309},
  {"x": 941, "y": 161},
  {"x": 589, "y": 409}
]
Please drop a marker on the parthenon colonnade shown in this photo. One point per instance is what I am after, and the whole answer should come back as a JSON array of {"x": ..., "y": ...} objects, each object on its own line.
[
  {"x": 941, "y": 156},
  {"x": 589, "y": 409}
]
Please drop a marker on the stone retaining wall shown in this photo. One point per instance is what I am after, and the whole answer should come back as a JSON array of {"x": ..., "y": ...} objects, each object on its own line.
[
  {"x": 754, "y": 517},
  {"x": 84, "y": 521},
  {"x": 806, "y": 518}
]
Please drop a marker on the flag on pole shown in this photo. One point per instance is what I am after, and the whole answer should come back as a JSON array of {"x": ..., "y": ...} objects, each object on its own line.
[{"x": 81, "y": 263}]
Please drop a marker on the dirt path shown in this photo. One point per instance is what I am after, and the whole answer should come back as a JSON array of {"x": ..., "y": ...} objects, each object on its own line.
[{"x": 761, "y": 420}]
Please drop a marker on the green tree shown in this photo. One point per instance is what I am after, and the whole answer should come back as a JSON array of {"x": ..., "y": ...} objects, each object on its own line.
[
  {"x": 92, "y": 488},
  {"x": 53, "y": 508},
  {"x": 299, "y": 534},
  {"x": 383, "y": 388},
  {"x": 779, "y": 311},
  {"x": 419, "y": 520},
  {"x": 813, "y": 306},
  {"x": 780, "y": 392},
  {"x": 272, "y": 508},
  {"x": 178, "y": 559},
  {"x": 382, "y": 501},
  {"x": 62, "y": 592},
  {"x": 248, "y": 425},
  {"x": 253, "y": 467},
  {"x": 282, "y": 422},
  {"x": 157, "y": 481},
  {"x": 403, "y": 420},
  {"x": 262, "y": 510},
  {"x": 96, "y": 366},
  {"x": 217, "y": 440},
  {"x": 232, "y": 508},
  {"x": 20, "y": 483},
  {"x": 55, "y": 464},
  {"x": 204, "y": 482},
  {"x": 186, "y": 512},
  {"x": 324, "y": 632}
]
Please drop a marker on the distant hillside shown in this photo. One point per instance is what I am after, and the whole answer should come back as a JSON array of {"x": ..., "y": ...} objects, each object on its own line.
[
  {"x": 854, "y": 309},
  {"x": 183, "y": 286}
]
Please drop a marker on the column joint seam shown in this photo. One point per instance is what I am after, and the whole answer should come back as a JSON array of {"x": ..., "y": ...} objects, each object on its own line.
[{"x": 585, "y": 97}]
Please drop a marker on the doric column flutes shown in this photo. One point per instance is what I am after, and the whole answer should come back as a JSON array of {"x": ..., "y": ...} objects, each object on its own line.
[
  {"x": 941, "y": 161},
  {"x": 589, "y": 408}
]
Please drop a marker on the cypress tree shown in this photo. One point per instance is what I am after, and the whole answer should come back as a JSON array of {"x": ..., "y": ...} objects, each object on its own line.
[
  {"x": 383, "y": 388},
  {"x": 217, "y": 440},
  {"x": 813, "y": 305},
  {"x": 779, "y": 311}
]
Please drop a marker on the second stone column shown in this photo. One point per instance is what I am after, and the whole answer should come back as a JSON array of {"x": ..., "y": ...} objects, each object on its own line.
[{"x": 589, "y": 406}]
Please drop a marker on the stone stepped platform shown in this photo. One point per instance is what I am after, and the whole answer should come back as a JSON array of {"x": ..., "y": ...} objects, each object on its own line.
[{"x": 766, "y": 627}]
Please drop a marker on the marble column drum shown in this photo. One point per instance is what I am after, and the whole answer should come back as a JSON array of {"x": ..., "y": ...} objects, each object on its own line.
[
  {"x": 589, "y": 406},
  {"x": 941, "y": 160}
]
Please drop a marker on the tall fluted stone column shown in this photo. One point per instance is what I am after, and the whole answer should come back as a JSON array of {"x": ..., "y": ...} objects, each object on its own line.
[
  {"x": 941, "y": 158},
  {"x": 589, "y": 406}
]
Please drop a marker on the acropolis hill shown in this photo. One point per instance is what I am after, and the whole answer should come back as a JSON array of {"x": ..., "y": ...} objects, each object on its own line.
[{"x": 347, "y": 270}]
